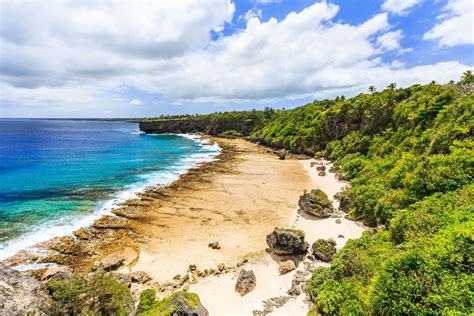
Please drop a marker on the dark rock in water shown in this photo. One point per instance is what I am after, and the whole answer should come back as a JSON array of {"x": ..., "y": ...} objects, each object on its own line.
[
  {"x": 287, "y": 241},
  {"x": 140, "y": 277},
  {"x": 324, "y": 249},
  {"x": 246, "y": 282},
  {"x": 316, "y": 203},
  {"x": 214, "y": 245},
  {"x": 321, "y": 173},
  {"x": 281, "y": 154},
  {"x": 321, "y": 168},
  {"x": 22, "y": 294}
]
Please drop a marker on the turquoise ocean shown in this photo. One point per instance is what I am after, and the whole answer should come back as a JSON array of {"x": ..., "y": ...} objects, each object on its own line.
[{"x": 59, "y": 175}]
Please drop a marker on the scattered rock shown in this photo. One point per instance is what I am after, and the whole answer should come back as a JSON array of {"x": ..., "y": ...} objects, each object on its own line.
[
  {"x": 321, "y": 173},
  {"x": 112, "y": 262},
  {"x": 140, "y": 277},
  {"x": 321, "y": 168},
  {"x": 338, "y": 221},
  {"x": 316, "y": 203},
  {"x": 287, "y": 241},
  {"x": 340, "y": 236},
  {"x": 346, "y": 200},
  {"x": 246, "y": 282},
  {"x": 56, "y": 273},
  {"x": 83, "y": 233},
  {"x": 281, "y": 154},
  {"x": 241, "y": 262},
  {"x": 22, "y": 294},
  {"x": 312, "y": 163},
  {"x": 324, "y": 249},
  {"x": 123, "y": 278},
  {"x": 295, "y": 290},
  {"x": 64, "y": 245},
  {"x": 214, "y": 245},
  {"x": 125, "y": 212},
  {"x": 221, "y": 267},
  {"x": 110, "y": 222},
  {"x": 286, "y": 266},
  {"x": 192, "y": 267},
  {"x": 332, "y": 169}
]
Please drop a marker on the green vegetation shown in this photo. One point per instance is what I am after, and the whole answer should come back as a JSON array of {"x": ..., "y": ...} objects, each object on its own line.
[
  {"x": 177, "y": 303},
  {"x": 409, "y": 155},
  {"x": 98, "y": 294},
  {"x": 232, "y": 132}
]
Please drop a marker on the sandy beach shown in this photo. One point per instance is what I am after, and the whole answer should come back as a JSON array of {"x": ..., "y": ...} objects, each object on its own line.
[{"x": 236, "y": 201}]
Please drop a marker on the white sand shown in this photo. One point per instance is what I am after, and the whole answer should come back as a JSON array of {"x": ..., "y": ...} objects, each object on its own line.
[{"x": 217, "y": 292}]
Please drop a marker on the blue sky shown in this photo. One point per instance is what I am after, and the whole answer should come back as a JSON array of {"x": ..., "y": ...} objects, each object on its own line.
[{"x": 146, "y": 58}]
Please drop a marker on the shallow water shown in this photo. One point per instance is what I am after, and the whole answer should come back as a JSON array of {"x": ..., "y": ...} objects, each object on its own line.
[{"x": 58, "y": 175}]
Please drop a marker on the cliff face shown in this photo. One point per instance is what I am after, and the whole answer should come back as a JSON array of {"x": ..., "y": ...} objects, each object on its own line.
[{"x": 207, "y": 126}]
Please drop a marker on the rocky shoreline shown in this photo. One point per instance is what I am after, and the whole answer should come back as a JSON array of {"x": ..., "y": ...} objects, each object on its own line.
[{"x": 113, "y": 245}]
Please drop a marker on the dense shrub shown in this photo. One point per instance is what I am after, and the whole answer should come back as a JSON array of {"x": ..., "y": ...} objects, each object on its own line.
[{"x": 99, "y": 294}]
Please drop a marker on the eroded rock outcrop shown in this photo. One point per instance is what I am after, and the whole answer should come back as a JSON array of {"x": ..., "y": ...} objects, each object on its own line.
[
  {"x": 287, "y": 241},
  {"x": 21, "y": 294},
  {"x": 316, "y": 203}
]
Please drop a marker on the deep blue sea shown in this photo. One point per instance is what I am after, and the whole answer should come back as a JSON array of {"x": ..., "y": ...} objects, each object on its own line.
[{"x": 59, "y": 175}]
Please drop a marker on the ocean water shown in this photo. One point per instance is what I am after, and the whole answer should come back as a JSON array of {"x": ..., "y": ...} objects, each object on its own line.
[{"x": 59, "y": 175}]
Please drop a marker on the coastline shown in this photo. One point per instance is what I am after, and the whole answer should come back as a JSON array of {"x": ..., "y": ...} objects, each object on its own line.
[
  {"x": 236, "y": 200},
  {"x": 24, "y": 252}
]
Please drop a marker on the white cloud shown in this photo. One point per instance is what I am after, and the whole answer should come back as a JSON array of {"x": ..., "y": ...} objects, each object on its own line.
[
  {"x": 80, "y": 55},
  {"x": 400, "y": 7},
  {"x": 390, "y": 40},
  {"x": 135, "y": 102},
  {"x": 456, "y": 26},
  {"x": 250, "y": 14},
  {"x": 264, "y": 2}
]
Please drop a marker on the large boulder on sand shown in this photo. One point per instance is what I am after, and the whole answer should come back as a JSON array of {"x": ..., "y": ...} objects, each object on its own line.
[
  {"x": 286, "y": 266},
  {"x": 324, "y": 249},
  {"x": 316, "y": 203},
  {"x": 287, "y": 241},
  {"x": 246, "y": 282}
]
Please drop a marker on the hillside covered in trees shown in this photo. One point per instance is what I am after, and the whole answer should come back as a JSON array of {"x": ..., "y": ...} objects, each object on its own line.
[{"x": 409, "y": 156}]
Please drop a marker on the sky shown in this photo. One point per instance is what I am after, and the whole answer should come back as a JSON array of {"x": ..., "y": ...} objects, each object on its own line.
[{"x": 84, "y": 58}]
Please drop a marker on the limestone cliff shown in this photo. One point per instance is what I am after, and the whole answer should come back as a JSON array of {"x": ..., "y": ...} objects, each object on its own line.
[{"x": 193, "y": 125}]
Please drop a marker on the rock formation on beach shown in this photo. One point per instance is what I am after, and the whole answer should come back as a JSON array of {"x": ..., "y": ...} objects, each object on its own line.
[
  {"x": 246, "y": 282},
  {"x": 287, "y": 241},
  {"x": 316, "y": 203}
]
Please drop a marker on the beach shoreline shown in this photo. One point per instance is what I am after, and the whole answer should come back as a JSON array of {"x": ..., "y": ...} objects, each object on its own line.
[{"x": 234, "y": 200}]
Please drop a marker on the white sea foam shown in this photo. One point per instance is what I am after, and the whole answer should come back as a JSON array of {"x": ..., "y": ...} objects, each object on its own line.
[{"x": 66, "y": 225}]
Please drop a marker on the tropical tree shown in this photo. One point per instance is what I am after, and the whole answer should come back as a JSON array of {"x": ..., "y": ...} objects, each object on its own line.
[{"x": 372, "y": 89}]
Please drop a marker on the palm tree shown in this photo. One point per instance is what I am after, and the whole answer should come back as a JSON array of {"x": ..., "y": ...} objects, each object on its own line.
[
  {"x": 372, "y": 89},
  {"x": 467, "y": 77},
  {"x": 392, "y": 86},
  {"x": 466, "y": 84}
]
